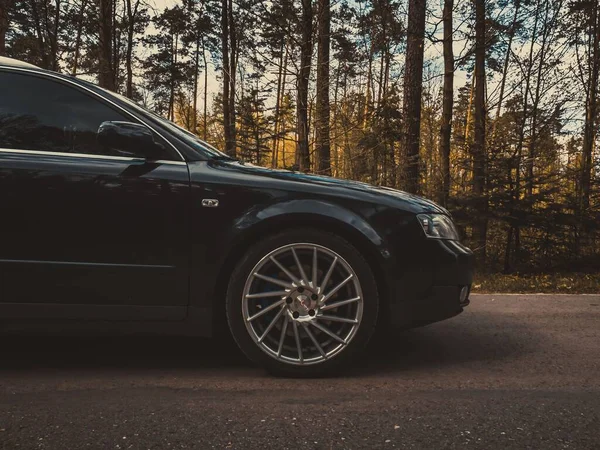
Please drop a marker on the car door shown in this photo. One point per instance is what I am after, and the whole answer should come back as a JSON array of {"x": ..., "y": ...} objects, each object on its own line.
[{"x": 86, "y": 232}]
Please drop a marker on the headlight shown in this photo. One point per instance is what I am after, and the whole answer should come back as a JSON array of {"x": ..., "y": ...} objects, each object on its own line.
[{"x": 438, "y": 226}]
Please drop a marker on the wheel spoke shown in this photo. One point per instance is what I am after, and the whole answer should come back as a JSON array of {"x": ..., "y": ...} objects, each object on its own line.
[
  {"x": 328, "y": 331},
  {"x": 335, "y": 289},
  {"x": 273, "y": 280},
  {"x": 282, "y": 338},
  {"x": 264, "y": 311},
  {"x": 272, "y": 324},
  {"x": 314, "y": 268},
  {"x": 327, "y": 276},
  {"x": 300, "y": 268},
  {"x": 297, "y": 336},
  {"x": 336, "y": 319},
  {"x": 314, "y": 340},
  {"x": 284, "y": 270},
  {"x": 268, "y": 294},
  {"x": 338, "y": 304}
]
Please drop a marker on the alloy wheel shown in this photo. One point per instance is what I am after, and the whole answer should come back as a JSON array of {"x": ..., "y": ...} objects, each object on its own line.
[{"x": 302, "y": 304}]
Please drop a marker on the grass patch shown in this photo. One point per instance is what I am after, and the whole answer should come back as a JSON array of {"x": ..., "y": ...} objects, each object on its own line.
[{"x": 570, "y": 283}]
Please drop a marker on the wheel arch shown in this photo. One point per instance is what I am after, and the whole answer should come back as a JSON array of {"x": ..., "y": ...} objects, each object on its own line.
[{"x": 343, "y": 223}]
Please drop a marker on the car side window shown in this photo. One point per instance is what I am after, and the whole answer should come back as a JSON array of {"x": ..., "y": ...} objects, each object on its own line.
[{"x": 44, "y": 115}]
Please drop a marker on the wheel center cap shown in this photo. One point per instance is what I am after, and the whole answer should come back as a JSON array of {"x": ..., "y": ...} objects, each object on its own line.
[
  {"x": 304, "y": 302},
  {"x": 302, "y": 306}
]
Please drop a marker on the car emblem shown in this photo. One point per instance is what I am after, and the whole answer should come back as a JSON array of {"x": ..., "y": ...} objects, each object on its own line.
[
  {"x": 304, "y": 301},
  {"x": 210, "y": 202}
]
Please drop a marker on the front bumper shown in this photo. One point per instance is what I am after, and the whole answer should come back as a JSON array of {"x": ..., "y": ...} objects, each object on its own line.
[
  {"x": 442, "y": 303},
  {"x": 430, "y": 289}
]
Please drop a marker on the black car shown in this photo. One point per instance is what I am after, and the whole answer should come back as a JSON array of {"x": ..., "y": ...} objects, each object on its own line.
[{"x": 113, "y": 218}]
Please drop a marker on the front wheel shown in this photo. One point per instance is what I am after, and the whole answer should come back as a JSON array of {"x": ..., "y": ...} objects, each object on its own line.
[{"x": 302, "y": 303}]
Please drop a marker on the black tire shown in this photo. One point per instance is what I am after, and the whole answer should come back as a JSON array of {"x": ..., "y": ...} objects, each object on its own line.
[{"x": 370, "y": 304}]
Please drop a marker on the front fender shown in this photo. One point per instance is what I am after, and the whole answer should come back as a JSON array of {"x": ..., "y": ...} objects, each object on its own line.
[{"x": 306, "y": 212}]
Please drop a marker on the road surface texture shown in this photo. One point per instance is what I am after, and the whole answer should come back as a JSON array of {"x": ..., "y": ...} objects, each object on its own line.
[{"x": 517, "y": 371}]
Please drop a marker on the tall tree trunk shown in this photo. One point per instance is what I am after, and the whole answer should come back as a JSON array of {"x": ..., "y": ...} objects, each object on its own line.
[
  {"x": 448, "y": 103},
  {"x": 274, "y": 150},
  {"x": 322, "y": 140},
  {"x": 131, "y": 17},
  {"x": 175, "y": 51},
  {"x": 41, "y": 42},
  {"x": 413, "y": 86},
  {"x": 469, "y": 116},
  {"x": 386, "y": 71},
  {"x": 282, "y": 127},
  {"x": 205, "y": 106},
  {"x": 78, "y": 38},
  {"x": 195, "y": 89},
  {"x": 389, "y": 157},
  {"x": 106, "y": 78},
  {"x": 380, "y": 81},
  {"x": 4, "y": 6},
  {"x": 233, "y": 53},
  {"x": 591, "y": 108},
  {"x": 368, "y": 94},
  {"x": 115, "y": 46},
  {"x": 334, "y": 120},
  {"x": 479, "y": 151},
  {"x": 55, "y": 32},
  {"x": 229, "y": 142},
  {"x": 51, "y": 26},
  {"x": 302, "y": 151},
  {"x": 345, "y": 113},
  {"x": 52, "y": 33}
]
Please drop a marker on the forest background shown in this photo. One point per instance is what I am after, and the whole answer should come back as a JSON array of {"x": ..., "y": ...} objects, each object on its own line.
[{"x": 488, "y": 107}]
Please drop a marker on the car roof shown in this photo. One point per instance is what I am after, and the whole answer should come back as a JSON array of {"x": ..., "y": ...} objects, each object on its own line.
[{"x": 4, "y": 61}]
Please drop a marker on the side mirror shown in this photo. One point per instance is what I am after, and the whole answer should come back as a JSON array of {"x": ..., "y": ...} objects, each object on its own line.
[{"x": 129, "y": 139}]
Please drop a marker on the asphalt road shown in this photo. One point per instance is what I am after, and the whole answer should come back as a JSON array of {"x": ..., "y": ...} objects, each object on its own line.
[{"x": 510, "y": 372}]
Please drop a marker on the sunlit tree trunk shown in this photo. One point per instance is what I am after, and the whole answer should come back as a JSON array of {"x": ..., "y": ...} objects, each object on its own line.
[
  {"x": 229, "y": 140},
  {"x": 322, "y": 128},
  {"x": 591, "y": 107},
  {"x": 369, "y": 89},
  {"x": 205, "y": 106},
  {"x": 275, "y": 148},
  {"x": 413, "y": 87},
  {"x": 448, "y": 102},
  {"x": 233, "y": 50},
  {"x": 302, "y": 151},
  {"x": 283, "y": 124},
  {"x": 478, "y": 149}
]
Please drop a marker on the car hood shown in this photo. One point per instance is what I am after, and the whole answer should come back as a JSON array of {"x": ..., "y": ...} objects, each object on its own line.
[{"x": 333, "y": 186}]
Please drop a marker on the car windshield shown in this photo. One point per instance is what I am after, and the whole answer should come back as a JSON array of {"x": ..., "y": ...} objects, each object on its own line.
[{"x": 187, "y": 136}]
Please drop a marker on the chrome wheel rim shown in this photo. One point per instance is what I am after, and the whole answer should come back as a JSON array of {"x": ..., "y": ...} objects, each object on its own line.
[{"x": 302, "y": 304}]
